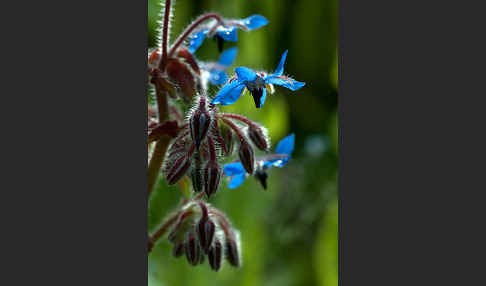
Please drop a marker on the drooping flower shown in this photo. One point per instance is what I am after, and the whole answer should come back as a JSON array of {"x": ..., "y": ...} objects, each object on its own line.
[
  {"x": 280, "y": 158},
  {"x": 257, "y": 84},
  {"x": 216, "y": 72},
  {"x": 226, "y": 32}
]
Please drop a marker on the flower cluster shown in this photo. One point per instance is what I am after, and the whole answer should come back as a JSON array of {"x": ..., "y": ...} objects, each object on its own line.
[
  {"x": 188, "y": 136},
  {"x": 200, "y": 230}
]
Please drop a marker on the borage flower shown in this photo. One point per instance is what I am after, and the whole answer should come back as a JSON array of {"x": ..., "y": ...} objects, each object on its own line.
[
  {"x": 226, "y": 32},
  {"x": 257, "y": 83},
  {"x": 280, "y": 158},
  {"x": 216, "y": 72}
]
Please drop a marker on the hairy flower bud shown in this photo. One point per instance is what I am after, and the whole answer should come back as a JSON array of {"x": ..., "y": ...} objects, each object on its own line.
[
  {"x": 192, "y": 249},
  {"x": 232, "y": 254},
  {"x": 228, "y": 138},
  {"x": 205, "y": 233},
  {"x": 199, "y": 125},
  {"x": 212, "y": 177},
  {"x": 176, "y": 169},
  {"x": 184, "y": 76},
  {"x": 197, "y": 179},
  {"x": 247, "y": 157},
  {"x": 215, "y": 255},
  {"x": 258, "y": 137}
]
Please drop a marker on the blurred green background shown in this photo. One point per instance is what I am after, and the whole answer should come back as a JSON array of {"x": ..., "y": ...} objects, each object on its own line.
[{"x": 289, "y": 233}]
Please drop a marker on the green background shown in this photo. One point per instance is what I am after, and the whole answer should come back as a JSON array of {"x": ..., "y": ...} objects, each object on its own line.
[{"x": 289, "y": 233}]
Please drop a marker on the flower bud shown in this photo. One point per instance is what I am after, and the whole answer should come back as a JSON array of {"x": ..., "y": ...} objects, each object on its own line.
[
  {"x": 258, "y": 137},
  {"x": 178, "y": 249},
  {"x": 188, "y": 58},
  {"x": 192, "y": 249},
  {"x": 232, "y": 254},
  {"x": 197, "y": 180},
  {"x": 177, "y": 168},
  {"x": 215, "y": 255},
  {"x": 212, "y": 177},
  {"x": 205, "y": 233},
  {"x": 228, "y": 138},
  {"x": 247, "y": 157},
  {"x": 199, "y": 125},
  {"x": 184, "y": 76}
]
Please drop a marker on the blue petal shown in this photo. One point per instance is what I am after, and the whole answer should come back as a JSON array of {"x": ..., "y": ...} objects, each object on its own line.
[
  {"x": 196, "y": 40},
  {"x": 229, "y": 94},
  {"x": 232, "y": 169},
  {"x": 227, "y": 33},
  {"x": 280, "y": 68},
  {"x": 286, "y": 145},
  {"x": 237, "y": 180},
  {"x": 254, "y": 22},
  {"x": 228, "y": 56},
  {"x": 264, "y": 96},
  {"x": 287, "y": 82},
  {"x": 245, "y": 74},
  {"x": 217, "y": 77}
]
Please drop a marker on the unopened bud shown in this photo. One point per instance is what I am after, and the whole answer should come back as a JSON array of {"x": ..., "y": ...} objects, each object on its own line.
[
  {"x": 247, "y": 157},
  {"x": 197, "y": 180},
  {"x": 184, "y": 76},
  {"x": 232, "y": 254},
  {"x": 258, "y": 137},
  {"x": 205, "y": 233},
  {"x": 199, "y": 125},
  {"x": 215, "y": 255},
  {"x": 212, "y": 177},
  {"x": 192, "y": 249},
  {"x": 228, "y": 138},
  {"x": 188, "y": 58},
  {"x": 177, "y": 169}
]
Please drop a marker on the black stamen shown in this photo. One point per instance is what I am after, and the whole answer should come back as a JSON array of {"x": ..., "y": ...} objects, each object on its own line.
[
  {"x": 262, "y": 178},
  {"x": 257, "y": 95}
]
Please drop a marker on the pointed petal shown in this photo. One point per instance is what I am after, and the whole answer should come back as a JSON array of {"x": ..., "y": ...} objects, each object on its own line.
[
  {"x": 217, "y": 77},
  {"x": 280, "y": 68},
  {"x": 285, "y": 146},
  {"x": 228, "y": 33},
  {"x": 228, "y": 56},
  {"x": 229, "y": 94},
  {"x": 245, "y": 74},
  {"x": 254, "y": 22},
  {"x": 284, "y": 81},
  {"x": 236, "y": 181},
  {"x": 196, "y": 40},
  {"x": 232, "y": 169}
]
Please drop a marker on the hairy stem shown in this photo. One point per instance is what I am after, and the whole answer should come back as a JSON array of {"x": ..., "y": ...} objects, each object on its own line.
[
  {"x": 191, "y": 28},
  {"x": 161, "y": 231},
  {"x": 165, "y": 32}
]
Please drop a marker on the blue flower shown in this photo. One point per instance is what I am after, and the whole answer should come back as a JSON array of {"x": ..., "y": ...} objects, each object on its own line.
[
  {"x": 257, "y": 83},
  {"x": 280, "y": 158},
  {"x": 217, "y": 74},
  {"x": 227, "y": 32}
]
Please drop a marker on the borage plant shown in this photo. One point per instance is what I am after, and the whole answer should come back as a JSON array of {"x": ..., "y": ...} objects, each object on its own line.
[{"x": 189, "y": 136}]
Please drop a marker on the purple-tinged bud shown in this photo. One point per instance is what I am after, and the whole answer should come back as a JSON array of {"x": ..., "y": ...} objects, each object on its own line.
[
  {"x": 215, "y": 255},
  {"x": 179, "y": 229},
  {"x": 205, "y": 233},
  {"x": 184, "y": 76},
  {"x": 192, "y": 249},
  {"x": 177, "y": 169},
  {"x": 199, "y": 122},
  {"x": 247, "y": 157},
  {"x": 178, "y": 249},
  {"x": 258, "y": 137},
  {"x": 228, "y": 138},
  {"x": 232, "y": 254},
  {"x": 212, "y": 177}
]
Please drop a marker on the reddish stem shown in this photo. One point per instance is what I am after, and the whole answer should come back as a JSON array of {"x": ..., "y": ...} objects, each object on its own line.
[
  {"x": 165, "y": 32},
  {"x": 191, "y": 28},
  {"x": 160, "y": 232},
  {"x": 239, "y": 118},
  {"x": 234, "y": 127}
]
